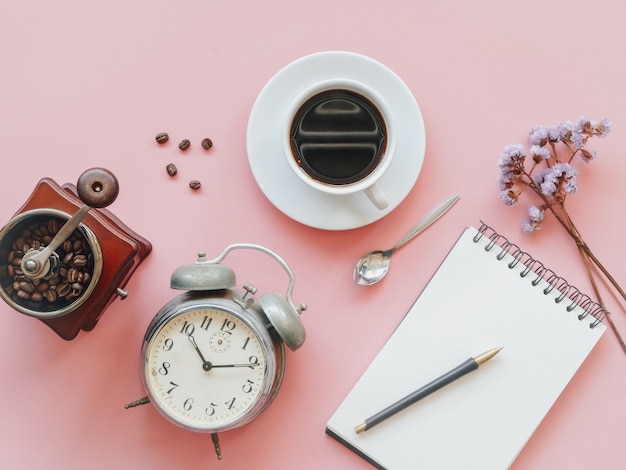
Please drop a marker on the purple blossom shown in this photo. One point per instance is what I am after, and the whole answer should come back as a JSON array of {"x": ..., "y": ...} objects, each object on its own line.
[
  {"x": 604, "y": 127},
  {"x": 539, "y": 151},
  {"x": 535, "y": 214},
  {"x": 508, "y": 197},
  {"x": 600, "y": 128},
  {"x": 512, "y": 155},
  {"x": 533, "y": 222},
  {"x": 556, "y": 180},
  {"x": 587, "y": 155},
  {"x": 528, "y": 226},
  {"x": 551, "y": 175},
  {"x": 538, "y": 135},
  {"x": 511, "y": 165},
  {"x": 583, "y": 124},
  {"x": 554, "y": 133},
  {"x": 578, "y": 139}
]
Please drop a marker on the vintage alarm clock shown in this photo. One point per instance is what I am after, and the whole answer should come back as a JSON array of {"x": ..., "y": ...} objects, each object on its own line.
[
  {"x": 213, "y": 358},
  {"x": 64, "y": 258}
]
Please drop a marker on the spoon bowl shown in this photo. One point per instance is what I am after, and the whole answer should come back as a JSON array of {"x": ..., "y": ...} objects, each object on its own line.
[{"x": 373, "y": 266}]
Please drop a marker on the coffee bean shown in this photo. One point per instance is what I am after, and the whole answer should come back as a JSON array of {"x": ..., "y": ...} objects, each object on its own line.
[
  {"x": 23, "y": 295},
  {"x": 73, "y": 274},
  {"x": 207, "y": 143},
  {"x": 53, "y": 226},
  {"x": 77, "y": 246},
  {"x": 18, "y": 244},
  {"x": 184, "y": 144},
  {"x": 51, "y": 295},
  {"x": 162, "y": 137},
  {"x": 171, "y": 169},
  {"x": 67, "y": 259},
  {"x": 63, "y": 289},
  {"x": 27, "y": 287},
  {"x": 195, "y": 184},
  {"x": 79, "y": 261}
]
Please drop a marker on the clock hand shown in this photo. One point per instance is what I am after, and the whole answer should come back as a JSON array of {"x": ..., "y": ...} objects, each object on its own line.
[
  {"x": 249, "y": 364},
  {"x": 206, "y": 365}
]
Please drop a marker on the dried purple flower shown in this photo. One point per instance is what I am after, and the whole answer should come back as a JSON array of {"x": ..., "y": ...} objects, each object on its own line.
[
  {"x": 538, "y": 136},
  {"x": 541, "y": 152},
  {"x": 551, "y": 175}
]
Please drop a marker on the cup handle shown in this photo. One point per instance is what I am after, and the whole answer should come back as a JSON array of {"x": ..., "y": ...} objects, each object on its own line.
[{"x": 377, "y": 196}]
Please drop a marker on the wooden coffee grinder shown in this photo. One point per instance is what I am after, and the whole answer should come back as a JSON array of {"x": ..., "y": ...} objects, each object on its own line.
[{"x": 64, "y": 258}]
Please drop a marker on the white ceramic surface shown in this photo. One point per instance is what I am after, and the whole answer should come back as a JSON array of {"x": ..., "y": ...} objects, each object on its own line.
[{"x": 266, "y": 153}]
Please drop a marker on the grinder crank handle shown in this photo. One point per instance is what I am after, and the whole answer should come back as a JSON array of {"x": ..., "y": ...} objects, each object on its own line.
[{"x": 97, "y": 188}]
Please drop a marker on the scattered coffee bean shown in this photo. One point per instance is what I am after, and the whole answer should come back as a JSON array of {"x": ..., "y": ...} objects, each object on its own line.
[
  {"x": 171, "y": 169},
  {"x": 162, "y": 137},
  {"x": 184, "y": 144},
  {"x": 207, "y": 143},
  {"x": 195, "y": 184}
]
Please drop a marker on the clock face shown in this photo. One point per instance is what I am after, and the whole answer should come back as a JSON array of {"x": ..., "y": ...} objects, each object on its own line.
[{"x": 205, "y": 369}]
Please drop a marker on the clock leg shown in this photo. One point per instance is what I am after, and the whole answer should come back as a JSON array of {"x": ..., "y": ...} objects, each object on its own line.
[
  {"x": 216, "y": 445},
  {"x": 141, "y": 401}
]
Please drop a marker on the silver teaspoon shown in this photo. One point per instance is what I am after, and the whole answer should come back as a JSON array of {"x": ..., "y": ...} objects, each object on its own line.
[{"x": 373, "y": 266}]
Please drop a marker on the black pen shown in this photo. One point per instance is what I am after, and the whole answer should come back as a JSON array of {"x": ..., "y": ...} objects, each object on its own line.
[{"x": 459, "y": 371}]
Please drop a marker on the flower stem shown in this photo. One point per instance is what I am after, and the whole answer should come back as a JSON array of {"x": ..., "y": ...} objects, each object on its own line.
[{"x": 596, "y": 291}]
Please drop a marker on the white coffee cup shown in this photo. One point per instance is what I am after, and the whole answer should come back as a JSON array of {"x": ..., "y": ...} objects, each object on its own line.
[{"x": 339, "y": 138}]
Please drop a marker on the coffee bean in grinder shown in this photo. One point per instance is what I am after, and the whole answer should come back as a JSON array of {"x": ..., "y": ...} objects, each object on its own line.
[{"x": 64, "y": 257}]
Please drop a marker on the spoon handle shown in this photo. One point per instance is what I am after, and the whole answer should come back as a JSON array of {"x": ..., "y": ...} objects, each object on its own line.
[{"x": 428, "y": 219}]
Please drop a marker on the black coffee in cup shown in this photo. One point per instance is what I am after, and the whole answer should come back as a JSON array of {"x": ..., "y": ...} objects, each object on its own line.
[{"x": 338, "y": 137}]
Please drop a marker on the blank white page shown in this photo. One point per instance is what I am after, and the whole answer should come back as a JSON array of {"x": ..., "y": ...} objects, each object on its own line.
[{"x": 474, "y": 302}]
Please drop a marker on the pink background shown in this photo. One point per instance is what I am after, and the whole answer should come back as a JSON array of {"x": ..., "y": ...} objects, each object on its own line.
[{"x": 87, "y": 83}]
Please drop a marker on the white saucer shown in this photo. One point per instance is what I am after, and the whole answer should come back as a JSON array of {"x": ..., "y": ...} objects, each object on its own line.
[{"x": 269, "y": 165}]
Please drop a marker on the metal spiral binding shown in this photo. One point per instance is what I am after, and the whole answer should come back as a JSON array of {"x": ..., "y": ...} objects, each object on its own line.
[{"x": 541, "y": 273}]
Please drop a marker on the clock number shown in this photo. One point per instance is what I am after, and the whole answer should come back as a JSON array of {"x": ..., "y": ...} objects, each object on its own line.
[
  {"x": 245, "y": 343},
  {"x": 169, "y": 392},
  {"x": 188, "y": 404},
  {"x": 254, "y": 360},
  {"x": 228, "y": 326},
  {"x": 247, "y": 387},
  {"x": 168, "y": 344},
  {"x": 210, "y": 410},
  {"x": 230, "y": 403},
  {"x": 188, "y": 328},
  {"x": 206, "y": 322},
  {"x": 163, "y": 370}
]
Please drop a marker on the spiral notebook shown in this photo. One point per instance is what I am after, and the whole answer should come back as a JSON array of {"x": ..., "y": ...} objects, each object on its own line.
[{"x": 487, "y": 293}]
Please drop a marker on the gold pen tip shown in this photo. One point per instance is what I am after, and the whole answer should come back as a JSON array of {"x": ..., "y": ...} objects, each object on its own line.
[
  {"x": 484, "y": 357},
  {"x": 360, "y": 428}
]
